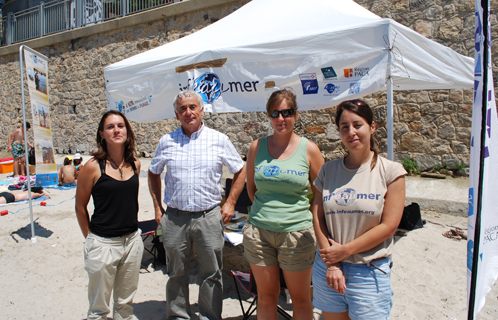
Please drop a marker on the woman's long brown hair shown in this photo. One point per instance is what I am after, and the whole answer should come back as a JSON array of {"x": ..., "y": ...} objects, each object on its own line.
[{"x": 130, "y": 149}]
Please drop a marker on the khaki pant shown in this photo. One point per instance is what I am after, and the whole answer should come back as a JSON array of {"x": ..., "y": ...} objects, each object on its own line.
[
  {"x": 113, "y": 264},
  {"x": 182, "y": 232}
]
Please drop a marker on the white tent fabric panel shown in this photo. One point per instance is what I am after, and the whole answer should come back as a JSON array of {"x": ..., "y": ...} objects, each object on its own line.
[
  {"x": 427, "y": 65},
  {"x": 326, "y": 50}
]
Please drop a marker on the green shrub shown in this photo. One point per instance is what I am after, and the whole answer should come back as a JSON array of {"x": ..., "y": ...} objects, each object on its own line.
[
  {"x": 461, "y": 166},
  {"x": 438, "y": 167},
  {"x": 410, "y": 165},
  {"x": 441, "y": 169}
]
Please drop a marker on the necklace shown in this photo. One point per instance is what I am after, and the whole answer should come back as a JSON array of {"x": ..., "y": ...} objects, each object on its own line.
[
  {"x": 289, "y": 146},
  {"x": 120, "y": 169}
]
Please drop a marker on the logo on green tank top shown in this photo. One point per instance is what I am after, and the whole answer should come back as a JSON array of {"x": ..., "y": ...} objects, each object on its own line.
[{"x": 271, "y": 171}]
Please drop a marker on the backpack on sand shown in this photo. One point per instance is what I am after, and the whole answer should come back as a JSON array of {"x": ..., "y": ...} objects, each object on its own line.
[{"x": 412, "y": 218}]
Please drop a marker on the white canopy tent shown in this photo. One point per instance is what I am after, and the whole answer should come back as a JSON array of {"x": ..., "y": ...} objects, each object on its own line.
[{"x": 326, "y": 50}]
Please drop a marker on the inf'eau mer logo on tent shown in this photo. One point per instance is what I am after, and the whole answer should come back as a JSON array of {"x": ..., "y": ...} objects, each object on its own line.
[{"x": 210, "y": 87}]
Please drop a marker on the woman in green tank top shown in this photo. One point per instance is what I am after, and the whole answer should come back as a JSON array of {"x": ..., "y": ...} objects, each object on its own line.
[{"x": 279, "y": 233}]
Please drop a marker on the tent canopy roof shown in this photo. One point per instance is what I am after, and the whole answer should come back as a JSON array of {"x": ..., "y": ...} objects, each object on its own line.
[{"x": 263, "y": 40}]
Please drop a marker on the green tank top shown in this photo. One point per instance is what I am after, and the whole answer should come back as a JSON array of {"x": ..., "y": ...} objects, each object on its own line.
[{"x": 280, "y": 203}]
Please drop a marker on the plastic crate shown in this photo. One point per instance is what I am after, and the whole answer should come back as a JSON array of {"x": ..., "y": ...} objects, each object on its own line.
[{"x": 7, "y": 166}]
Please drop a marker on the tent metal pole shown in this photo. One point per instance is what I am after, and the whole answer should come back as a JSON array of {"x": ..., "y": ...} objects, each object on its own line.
[
  {"x": 33, "y": 236},
  {"x": 389, "y": 107}
]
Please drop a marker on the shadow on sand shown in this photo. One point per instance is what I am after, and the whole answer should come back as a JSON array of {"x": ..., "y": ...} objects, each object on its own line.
[{"x": 25, "y": 232}]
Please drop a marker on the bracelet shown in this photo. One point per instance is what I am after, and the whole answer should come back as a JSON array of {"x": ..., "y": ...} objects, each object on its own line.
[{"x": 333, "y": 268}]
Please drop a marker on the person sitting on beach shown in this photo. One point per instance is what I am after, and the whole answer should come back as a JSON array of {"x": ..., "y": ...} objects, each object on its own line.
[
  {"x": 68, "y": 173},
  {"x": 78, "y": 162},
  {"x": 8, "y": 197},
  {"x": 16, "y": 147}
]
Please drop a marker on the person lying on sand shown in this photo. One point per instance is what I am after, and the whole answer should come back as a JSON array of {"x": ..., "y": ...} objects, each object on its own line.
[{"x": 7, "y": 197}]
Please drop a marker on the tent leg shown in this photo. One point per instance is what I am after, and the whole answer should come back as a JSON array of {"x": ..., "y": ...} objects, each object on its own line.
[{"x": 390, "y": 130}]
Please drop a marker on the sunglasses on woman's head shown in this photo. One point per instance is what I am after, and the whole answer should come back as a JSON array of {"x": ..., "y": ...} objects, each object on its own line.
[
  {"x": 357, "y": 102},
  {"x": 285, "y": 113}
]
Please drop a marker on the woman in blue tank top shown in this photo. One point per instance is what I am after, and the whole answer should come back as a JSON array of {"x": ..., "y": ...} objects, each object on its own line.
[
  {"x": 279, "y": 233},
  {"x": 113, "y": 247}
]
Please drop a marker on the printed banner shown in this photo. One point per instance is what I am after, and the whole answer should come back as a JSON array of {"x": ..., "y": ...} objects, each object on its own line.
[
  {"x": 235, "y": 87},
  {"x": 37, "y": 74},
  {"x": 487, "y": 265}
]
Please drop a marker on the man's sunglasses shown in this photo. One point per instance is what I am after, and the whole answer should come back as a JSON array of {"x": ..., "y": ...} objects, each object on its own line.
[{"x": 285, "y": 113}]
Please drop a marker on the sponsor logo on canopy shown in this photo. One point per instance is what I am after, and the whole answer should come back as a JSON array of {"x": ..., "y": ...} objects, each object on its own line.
[
  {"x": 357, "y": 72},
  {"x": 309, "y": 83},
  {"x": 354, "y": 88}
]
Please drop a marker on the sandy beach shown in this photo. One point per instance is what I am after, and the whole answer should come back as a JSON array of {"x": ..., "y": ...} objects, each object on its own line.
[{"x": 47, "y": 279}]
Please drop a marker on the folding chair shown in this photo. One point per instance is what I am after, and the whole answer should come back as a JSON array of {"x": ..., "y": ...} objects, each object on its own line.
[
  {"x": 149, "y": 228},
  {"x": 247, "y": 282}
]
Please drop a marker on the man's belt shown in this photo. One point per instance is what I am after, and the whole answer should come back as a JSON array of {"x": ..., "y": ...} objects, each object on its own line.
[{"x": 175, "y": 210}]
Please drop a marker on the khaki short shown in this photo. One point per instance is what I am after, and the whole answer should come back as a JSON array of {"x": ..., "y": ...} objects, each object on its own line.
[{"x": 293, "y": 251}]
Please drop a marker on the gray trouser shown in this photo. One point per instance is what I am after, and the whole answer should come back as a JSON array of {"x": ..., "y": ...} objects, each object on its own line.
[
  {"x": 181, "y": 231},
  {"x": 112, "y": 264}
]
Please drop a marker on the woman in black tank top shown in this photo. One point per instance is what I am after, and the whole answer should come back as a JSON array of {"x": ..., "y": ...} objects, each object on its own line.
[{"x": 111, "y": 177}]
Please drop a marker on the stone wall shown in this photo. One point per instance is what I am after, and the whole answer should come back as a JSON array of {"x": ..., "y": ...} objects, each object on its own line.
[{"x": 432, "y": 127}]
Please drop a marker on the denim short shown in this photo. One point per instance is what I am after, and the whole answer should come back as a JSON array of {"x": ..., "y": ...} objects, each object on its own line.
[
  {"x": 292, "y": 251},
  {"x": 368, "y": 293}
]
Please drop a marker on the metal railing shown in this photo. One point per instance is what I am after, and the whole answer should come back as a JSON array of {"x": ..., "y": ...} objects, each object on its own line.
[{"x": 61, "y": 15}]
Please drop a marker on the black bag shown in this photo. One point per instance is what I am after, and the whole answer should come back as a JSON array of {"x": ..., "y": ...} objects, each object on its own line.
[
  {"x": 412, "y": 218},
  {"x": 161, "y": 253},
  {"x": 31, "y": 156}
]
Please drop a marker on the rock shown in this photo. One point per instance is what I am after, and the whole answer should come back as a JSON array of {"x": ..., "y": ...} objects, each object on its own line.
[
  {"x": 450, "y": 29},
  {"x": 415, "y": 126},
  {"x": 426, "y": 162},
  {"x": 399, "y": 129},
  {"x": 413, "y": 142},
  {"x": 425, "y": 28},
  {"x": 456, "y": 96},
  {"x": 433, "y": 175},
  {"x": 145, "y": 154},
  {"x": 314, "y": 129},
  {"x": 460, "y": 148},
  {"x": 446, "y": 131},
  {"x": 432, "y": 108},
  {"x": 450, "y": 161},
  {"x": 323, "y": 119},
  {"x": 332, "y": 133},
  {"x": 409, "y": 112}
]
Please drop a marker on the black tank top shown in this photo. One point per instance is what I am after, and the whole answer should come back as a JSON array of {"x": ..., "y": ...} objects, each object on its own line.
[{"x": 116, "y": 205}]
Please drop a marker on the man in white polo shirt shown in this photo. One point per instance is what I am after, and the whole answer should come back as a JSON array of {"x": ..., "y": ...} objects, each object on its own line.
[{"x": 194, "y": 156}]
